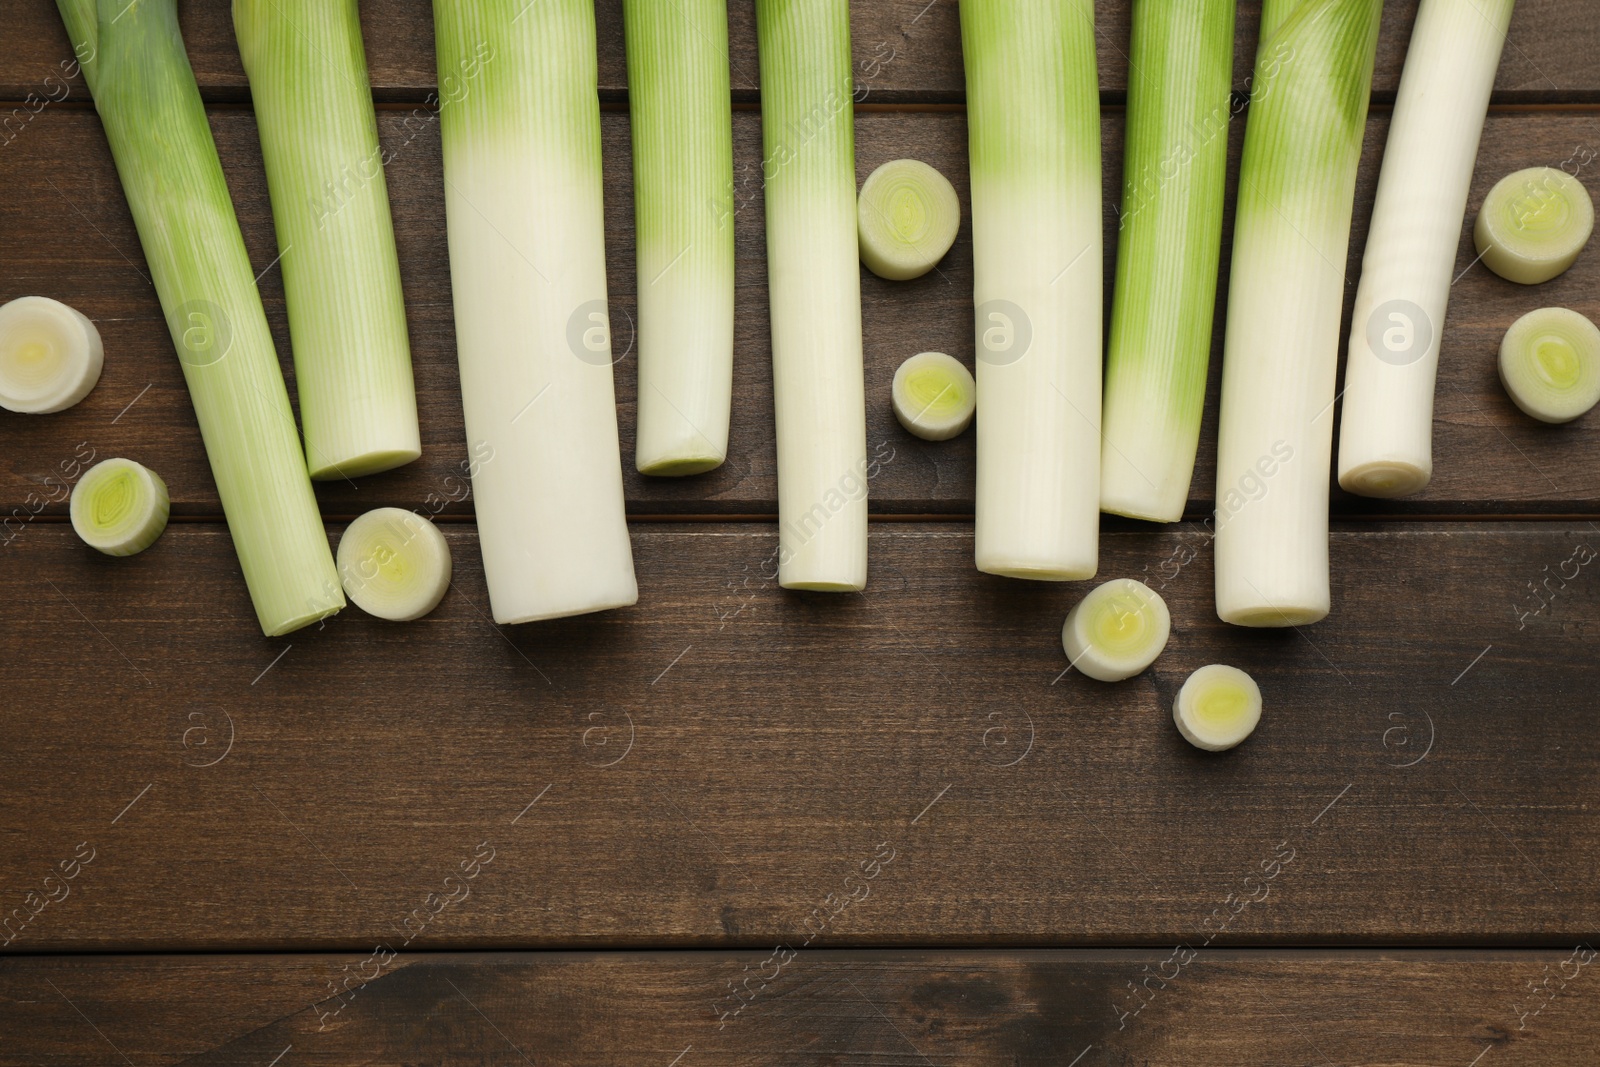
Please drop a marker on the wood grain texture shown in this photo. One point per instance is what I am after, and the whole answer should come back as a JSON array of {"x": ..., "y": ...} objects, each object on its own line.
[
  {"x": 905, "y": 50},
  {"x": 71, "y": 237},
  {"x": 718, "y": 765},
  {"x": 1225, "y": 1008}
]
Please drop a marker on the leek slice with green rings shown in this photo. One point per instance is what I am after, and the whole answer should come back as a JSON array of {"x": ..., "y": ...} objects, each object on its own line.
[
  {"x": 119, "y": 507},
  {"x": 1218, "y": 707},
  {"x": 1550, "y": 364},
  {"x": 50, "y": 355},
  {"x": 1117, "y": 630},
  {"x": 1533, "y": 224},
  {"x": 395, "y": 564},
  {"x": 907, "y": 218},
  {"x": 934, "y": 396}
]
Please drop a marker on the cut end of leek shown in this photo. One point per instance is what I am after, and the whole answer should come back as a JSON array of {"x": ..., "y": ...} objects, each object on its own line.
[
  {"x": 1386, "y": 479},
  {"x": 1533, "y": 224},
  {"x": 681, "y": 466},
  {"x": 1550, "y": 364},
  {"x": 357, "y": 465},
  {"x": 394, "y": 564},
  {"x": 1217, "y": 708},
  {"x": 1117, "y": 630},
  {"x": 934, "y": 396},
  {"x": 50, "y": 356},
  {"x": 907, "y": 216},
  {"x": 119, "y": 507}
]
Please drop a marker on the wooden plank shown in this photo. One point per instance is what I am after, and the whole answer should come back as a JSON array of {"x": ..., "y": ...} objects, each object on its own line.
[
  {"x": 905, "y": 50},
  {"x": 1223, "y": 1008},
  {"x": 720, "y": 764},
  {"x": 69, "y": 235}
]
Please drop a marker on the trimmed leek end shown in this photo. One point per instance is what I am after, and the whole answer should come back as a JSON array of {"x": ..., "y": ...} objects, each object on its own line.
[
  {"x": 907, "y": 217},
  {"x": 1117, "y": 630},
  {"x": 394, "y": 564},
  {"x": 119, "y": 507},
  {"x": 1217, "y": 708},
  {"x": 1533, "y": 224},
  {"x": 1550, "y": 364},
  {"x": 934, "y": 396},
  {"x": 1387, "y": 478},
  {"x": 50, "y": 356}
]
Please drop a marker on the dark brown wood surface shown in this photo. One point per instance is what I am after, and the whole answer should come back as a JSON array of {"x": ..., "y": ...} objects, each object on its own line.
[
  {"x": 1222, "y": 1009},
  {"x": 968, "y": 853},
  {"x": 72, "y": 237},
  {"x": 722, "y": 759}
]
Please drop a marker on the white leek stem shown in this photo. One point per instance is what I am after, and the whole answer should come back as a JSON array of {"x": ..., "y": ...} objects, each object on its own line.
[
  {"x": 1386, "y": 432},
  {"x": 1033, "y": 117},
  {"x": 521, "y": 137}
]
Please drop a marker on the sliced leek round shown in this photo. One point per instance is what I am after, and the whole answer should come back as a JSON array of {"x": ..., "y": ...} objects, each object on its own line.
[
  {"x": 1533, "y": 224},
  {"x": 1217, "y": 707},
  {"x": 50, "y": 355},
  {"x": 934, "y": 396},
  {"x": 119, "y": 507},
  {"x": 907, "y": 216},
  {"x": 1117, "y": 630},
  {"x": 1550, "y": 364},
  {"x": 394, "y": 564}
]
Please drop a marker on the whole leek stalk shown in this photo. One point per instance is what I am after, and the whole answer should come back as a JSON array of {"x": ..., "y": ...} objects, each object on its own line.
[
  {"x": 1386, "y": 431},
  {"x": 1176, "y": 163},
  {"x": 145, "y": 93},
  {"x": 814, "y": 278},
  {"x": 682, "y": 121},
  {"x": 1033, "y": 116},
  {"x": 520, "y": 125},
  {"x": 1297, "y": 180},
  {"x": 341, "y": 277}
]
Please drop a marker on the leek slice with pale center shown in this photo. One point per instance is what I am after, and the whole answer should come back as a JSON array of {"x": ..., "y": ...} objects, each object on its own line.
[
  {"x": 1533, "y": 224},
  {"x": 934, "y": 396},
  {"x": 394, "y": 563},
  {"x": 1218, "y": 707},
  {"x": 907, "y": 218},
  {"x": 50, "y": 355},
  {"x": 1550, "y": 364},
  {"x": 119, "y": 507},
  {"x": 1117, "y": 630}
]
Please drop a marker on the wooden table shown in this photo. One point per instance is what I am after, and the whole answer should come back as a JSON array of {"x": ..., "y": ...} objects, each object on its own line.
[{"x": 580, "y": 842}]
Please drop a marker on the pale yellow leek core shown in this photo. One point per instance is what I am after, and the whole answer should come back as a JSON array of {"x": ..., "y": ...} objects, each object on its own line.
[
  {"x": 1117, "y": 630},
  {"x": 394, "y": 564},
  {"x": 1218, "y": 707},
  {"x": 1533, "y": 224},
  {"x": 934, "y": 396},
  {"x": 119, "y": 507},
  {"x": 907, "y": 217}
]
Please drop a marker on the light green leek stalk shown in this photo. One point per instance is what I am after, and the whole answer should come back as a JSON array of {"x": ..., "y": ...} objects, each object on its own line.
[
  {"x": 1179, "y": 102},
  {"x": 520, "y": 127},
  {"x": 341, "y": 278},
  {"x": 682, "y": 120},
  {"x": 814, "y": 278},
  {"x": 133, "y": 59},
  {"x": 1033, "y": 117},
  {"x": 1302, "y": 144}
]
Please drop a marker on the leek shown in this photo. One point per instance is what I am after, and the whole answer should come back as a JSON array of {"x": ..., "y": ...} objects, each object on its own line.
[
  {"x": 119, "y": 507},
  {"x": 1217, "y": 707},
  {"x": 1386, "y": 432},
  {"x": 1533, "y": 224},
  {"x": 682, "y": 120},
  {"x": 50, "y": 355},
  {"x": 1033, "y": 117},
  {"x": 145, "y": 93},
  {"x": 1159, "y": 341},
  {"x": 341, "y": 278},
  {"x": 395, "y": 564},
  {"x": 907, "y": 218},
  {"x": 818, "y": 381},
  {"x": 1550, "y": 364},
  {"x": 1117, "y": 630},
  {"x": 1280, "y": 357},
  {"x": 934, "y": 396},
  {"x": 522, "y": 180}
]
